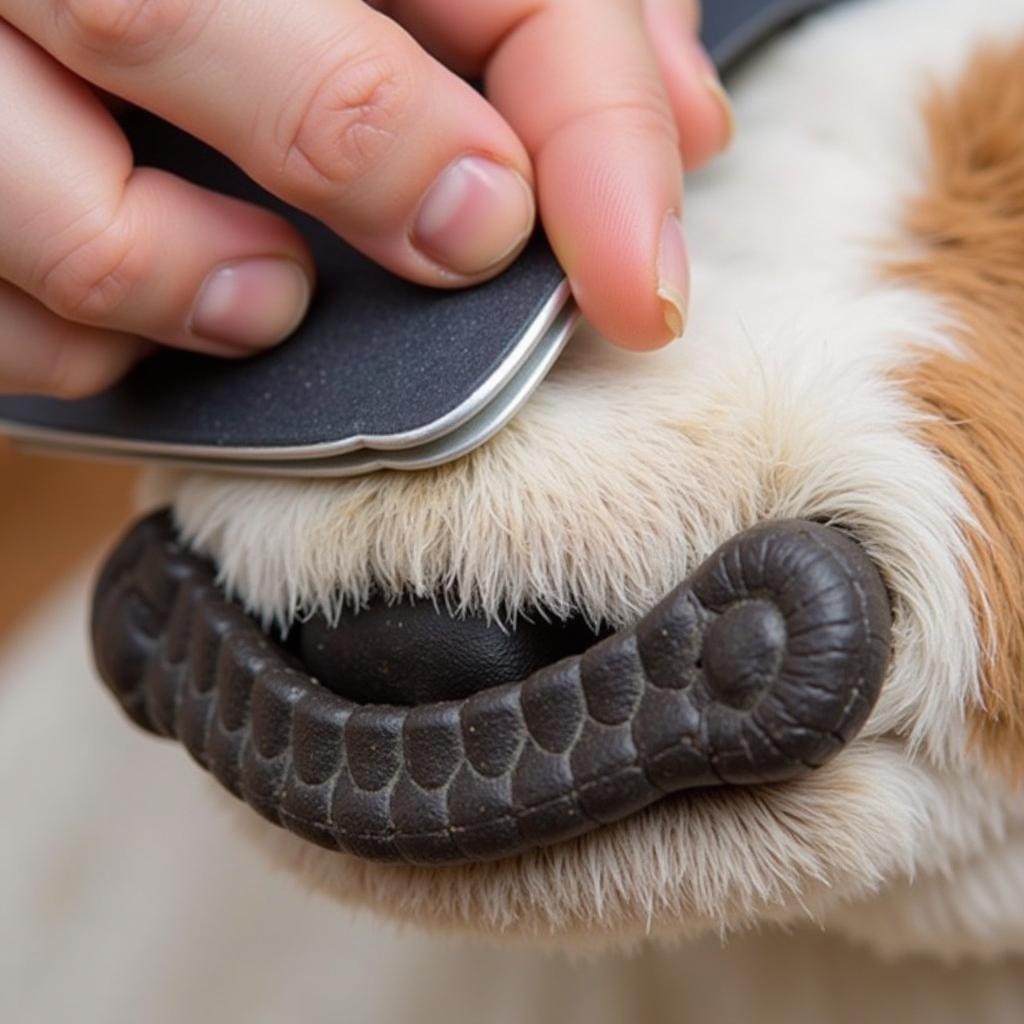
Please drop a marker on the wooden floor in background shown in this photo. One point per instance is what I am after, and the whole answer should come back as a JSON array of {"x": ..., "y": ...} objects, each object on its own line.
[{"x": 54, "y": 513}]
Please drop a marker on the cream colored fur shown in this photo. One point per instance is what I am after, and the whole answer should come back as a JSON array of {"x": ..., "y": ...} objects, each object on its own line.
[{"x": 624, "y": 471}]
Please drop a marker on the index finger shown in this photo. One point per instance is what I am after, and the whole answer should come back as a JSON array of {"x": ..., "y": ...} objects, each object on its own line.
[{"x": 327, "y": 103}]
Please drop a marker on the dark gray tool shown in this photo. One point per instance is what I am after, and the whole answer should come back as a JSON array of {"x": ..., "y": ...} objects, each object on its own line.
[{"x": 383, "y": 373}]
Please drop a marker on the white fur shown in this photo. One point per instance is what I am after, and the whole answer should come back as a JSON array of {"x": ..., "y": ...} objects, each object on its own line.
[{"x": 624, "y": 471}]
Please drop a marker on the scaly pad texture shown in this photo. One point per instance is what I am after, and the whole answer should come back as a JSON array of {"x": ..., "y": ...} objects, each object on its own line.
[{"x": 758, "y": 668}]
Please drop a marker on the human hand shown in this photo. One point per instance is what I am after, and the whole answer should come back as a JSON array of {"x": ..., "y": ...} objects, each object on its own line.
[{"x": 594, "y": 106}]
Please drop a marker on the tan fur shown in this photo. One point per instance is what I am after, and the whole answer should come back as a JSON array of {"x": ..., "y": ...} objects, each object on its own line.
[{"x": 969, "y": 223}]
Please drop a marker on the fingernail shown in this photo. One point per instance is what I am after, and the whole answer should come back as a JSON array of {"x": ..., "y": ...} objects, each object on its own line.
[
  {"x": 475, "y": 216},
  {"x": 713, "y": 85},
  {"x": 674, "y": 275},
  {"x": 721, "y": 98},
  {"x": 253, "y": 303}
]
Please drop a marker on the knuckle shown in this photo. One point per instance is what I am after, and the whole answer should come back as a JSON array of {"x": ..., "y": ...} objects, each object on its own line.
[
  {"x": 343, "y": 125},
  {"x": 91, "y": 280},
  {"x": 639, "y": 115},
  {"x": 127, "y": 31},
  {"x": 644, "y": 114}
]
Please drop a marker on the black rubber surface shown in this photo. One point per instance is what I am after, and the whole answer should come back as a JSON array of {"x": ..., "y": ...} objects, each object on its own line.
[
  {"x": 417, "y": 653},
  {"x": 757, "y": 669}
]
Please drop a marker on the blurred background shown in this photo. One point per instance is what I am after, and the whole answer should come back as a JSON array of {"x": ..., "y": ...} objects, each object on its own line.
[{"x": 55, "y": 514}]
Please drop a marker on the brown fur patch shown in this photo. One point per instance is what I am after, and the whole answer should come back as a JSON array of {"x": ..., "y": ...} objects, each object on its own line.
[{"x": 969, "y": 225}]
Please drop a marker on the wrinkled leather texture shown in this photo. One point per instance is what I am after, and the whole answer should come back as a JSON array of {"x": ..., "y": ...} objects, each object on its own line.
[
  {"x": 758, "y": 668},
  {"x": 415, "y": 652}
]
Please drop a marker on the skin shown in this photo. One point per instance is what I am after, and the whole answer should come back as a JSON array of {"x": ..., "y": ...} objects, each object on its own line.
[{"x": 358, "y": 114}]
